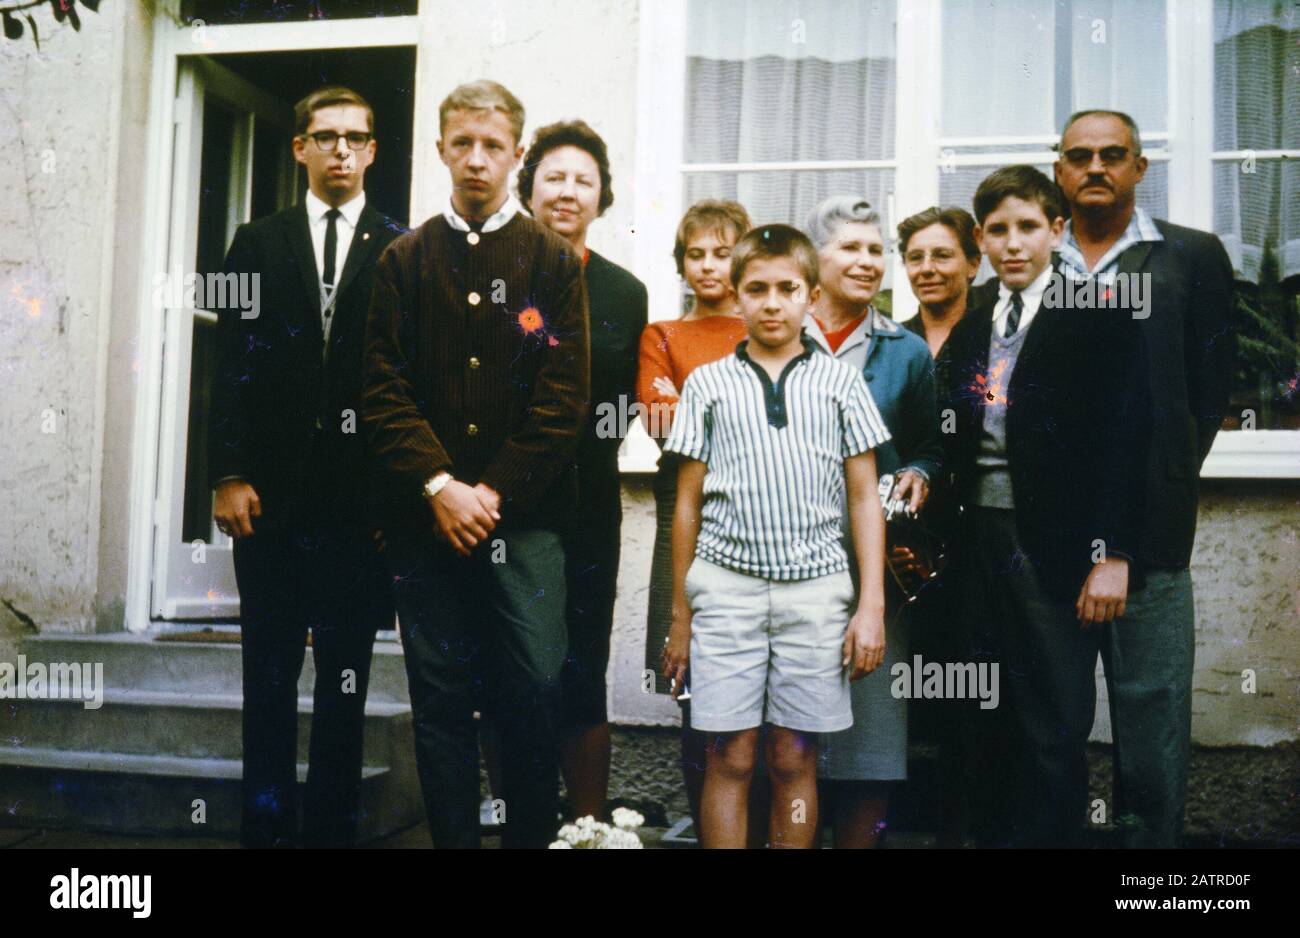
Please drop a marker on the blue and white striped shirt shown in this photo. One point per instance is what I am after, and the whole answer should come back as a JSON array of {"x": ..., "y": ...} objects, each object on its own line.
[
  {"x": 1140, "y": 228},
  {"x": 775, "y": 452}
]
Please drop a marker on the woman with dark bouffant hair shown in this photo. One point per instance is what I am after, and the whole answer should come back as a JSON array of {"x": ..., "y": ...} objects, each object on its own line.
[{"x": 565, "y": 184}]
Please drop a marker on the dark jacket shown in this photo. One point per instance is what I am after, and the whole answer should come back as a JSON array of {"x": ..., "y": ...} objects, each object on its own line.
[
  {"x": 1076, "y": 431},
  {"x": 618, "y": 311},
  {"x": 1192, "y": 343},
  {"x": 274, "y": 385},
  {"x": 477, "y": 362}
]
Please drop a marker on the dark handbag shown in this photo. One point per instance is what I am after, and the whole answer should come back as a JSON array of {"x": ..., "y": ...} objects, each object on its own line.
[{"x": 927, "y": 555}]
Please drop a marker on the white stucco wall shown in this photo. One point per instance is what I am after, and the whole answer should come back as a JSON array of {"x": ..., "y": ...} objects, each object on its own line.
[
  {"x": 563, "y": 60},
  {"x": 57, "y": 257}
]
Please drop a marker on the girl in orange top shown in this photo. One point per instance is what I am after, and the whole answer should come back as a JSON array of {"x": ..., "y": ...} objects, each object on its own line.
[{"x": 671, "y": 350}]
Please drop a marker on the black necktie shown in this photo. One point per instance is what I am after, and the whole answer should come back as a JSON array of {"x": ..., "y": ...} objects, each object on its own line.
[
  {"x": 1013, "y": 317},
  {"x": 331, "y": 246}
]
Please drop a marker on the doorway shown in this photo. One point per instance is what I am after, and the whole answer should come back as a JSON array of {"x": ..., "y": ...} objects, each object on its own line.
[{"x": 232, "y": 163}]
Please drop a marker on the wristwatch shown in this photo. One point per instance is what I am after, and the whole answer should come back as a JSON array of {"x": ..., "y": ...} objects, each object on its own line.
[{"x": 436, "y": 485}]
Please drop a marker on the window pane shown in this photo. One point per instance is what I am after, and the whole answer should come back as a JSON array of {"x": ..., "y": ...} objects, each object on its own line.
[
  {"x": 1257, "y": 107},
  {"x": 1256, "y": 75},
  {"x": 218, "y": 12},
  {"x": 1021, "y": 67},
  {"x": 784, "y": 81},
  {"x": 1257, "y": 206},
  {"x": 1256, "y": 215},
  {"x": 1268, "y": 352}
]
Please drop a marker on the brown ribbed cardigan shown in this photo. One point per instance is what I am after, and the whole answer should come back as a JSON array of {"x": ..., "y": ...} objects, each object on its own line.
[{"x": 477, "y": 362}]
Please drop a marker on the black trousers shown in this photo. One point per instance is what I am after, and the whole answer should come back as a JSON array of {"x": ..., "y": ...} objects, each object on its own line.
[
  {"x": 331, "y": 582},
  {"x": 1030, "y": 753},
  {"x": 487, "y": 632},
  {"x": 591, "y": 550}
]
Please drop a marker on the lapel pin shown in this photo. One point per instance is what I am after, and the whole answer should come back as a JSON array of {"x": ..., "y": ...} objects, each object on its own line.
[{"x": 365, "y": 236}]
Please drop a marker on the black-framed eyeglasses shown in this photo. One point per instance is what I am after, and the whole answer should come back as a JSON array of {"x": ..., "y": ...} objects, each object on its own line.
[
  {"x": 327, "y": 140},
  {"x": 1082, "y": 156}
]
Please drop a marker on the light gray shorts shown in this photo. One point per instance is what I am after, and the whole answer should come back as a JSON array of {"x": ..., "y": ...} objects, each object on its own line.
[{"x": 768, "y": 650}]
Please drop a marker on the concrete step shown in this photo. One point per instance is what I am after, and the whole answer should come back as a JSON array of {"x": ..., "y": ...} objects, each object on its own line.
[
  {"x": 135, "y": 661},
  {"x": 134, "y": 793},
  {"x": 167, "y": 724}
]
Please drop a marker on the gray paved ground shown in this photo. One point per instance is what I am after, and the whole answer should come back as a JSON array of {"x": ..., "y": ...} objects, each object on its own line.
[{"x": 1238, "y": 798}]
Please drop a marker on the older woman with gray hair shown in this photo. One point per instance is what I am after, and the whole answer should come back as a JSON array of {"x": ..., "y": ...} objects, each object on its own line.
[{"x": 858, "y": 764}]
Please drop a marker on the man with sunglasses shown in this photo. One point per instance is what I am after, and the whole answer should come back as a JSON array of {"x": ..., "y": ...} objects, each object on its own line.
[
  {"x": 1147, "y": 651},
  {"x": 288, "y": 465}
]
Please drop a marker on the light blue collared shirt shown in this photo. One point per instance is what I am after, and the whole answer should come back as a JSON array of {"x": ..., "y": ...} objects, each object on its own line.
[{"x": 1140, "y": 228}]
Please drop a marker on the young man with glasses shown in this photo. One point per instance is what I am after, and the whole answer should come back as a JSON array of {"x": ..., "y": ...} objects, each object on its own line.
[
  {"x": 1187, "y": 279},
  {"x": 288, "y": 465}
]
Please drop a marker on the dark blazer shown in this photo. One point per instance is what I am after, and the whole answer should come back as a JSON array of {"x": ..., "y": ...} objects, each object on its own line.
[
  {"x": 1192, "y": 343},
  {"x": 274, "y": 384},
  {"x": 1077, "y": 416},
  {"x": 618, "y": 311}
]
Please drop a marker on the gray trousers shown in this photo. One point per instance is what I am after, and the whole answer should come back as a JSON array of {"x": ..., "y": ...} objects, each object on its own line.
[{"x": 1147, "y": 656}]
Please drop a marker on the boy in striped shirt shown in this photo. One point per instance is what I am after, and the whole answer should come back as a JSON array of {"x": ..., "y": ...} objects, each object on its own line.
[{"x": 763, "y": 601}]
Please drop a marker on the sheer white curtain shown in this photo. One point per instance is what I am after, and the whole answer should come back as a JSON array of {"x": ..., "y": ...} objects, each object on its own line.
[
  {"x": 1257, "y": 107},
  {"x": 785, "y": 81},
  {"x": 999, "y": 72},
  {"x": 1020, "y": 67}
]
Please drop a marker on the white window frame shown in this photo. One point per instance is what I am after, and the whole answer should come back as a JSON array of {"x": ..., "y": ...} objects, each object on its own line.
[
  {"x": 173, "y": 39},
  {"x": 1186, "y": 147}
]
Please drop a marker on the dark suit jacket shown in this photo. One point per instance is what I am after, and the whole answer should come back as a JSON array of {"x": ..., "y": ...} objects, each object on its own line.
[
  {"x": 273, "y": 382},
  {"x": 1192, "y": 343},
  {"x": 1077, "y": 415}
]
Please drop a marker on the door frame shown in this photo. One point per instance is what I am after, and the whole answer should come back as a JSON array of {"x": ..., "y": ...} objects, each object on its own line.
[
  {"x": 199, "y": 80},
  {"x": 174, "y": 41}
]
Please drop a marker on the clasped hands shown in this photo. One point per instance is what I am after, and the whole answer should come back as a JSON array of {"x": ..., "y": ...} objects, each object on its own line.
[{"x": 465, "y": 515}]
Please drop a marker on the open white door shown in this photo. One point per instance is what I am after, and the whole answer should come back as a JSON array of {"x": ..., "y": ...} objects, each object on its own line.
[{"x": 224, "y": 125}]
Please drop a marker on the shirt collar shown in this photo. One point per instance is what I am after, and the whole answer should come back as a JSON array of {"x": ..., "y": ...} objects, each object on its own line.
[
  {"x": 497, "y": 219},
  {"x": 877, "y": 323},
  {"x": 1031, "y": 295},
  {"x": 809, "y": 346},
  {"x": 1140, "y": 228},
  {"x": 350, "y": 211},
  {"x": 882, "y": 325}
]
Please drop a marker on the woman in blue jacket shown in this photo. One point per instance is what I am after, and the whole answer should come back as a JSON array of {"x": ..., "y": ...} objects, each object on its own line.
[{"x": 860, "y": 763}]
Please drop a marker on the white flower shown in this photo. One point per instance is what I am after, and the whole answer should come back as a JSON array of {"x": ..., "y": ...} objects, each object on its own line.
[
  {"x": 561, "y": 845},
  {"x": 627, "y": 819}
]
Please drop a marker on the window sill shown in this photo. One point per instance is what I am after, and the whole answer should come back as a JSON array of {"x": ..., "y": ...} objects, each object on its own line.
[{"x": 1254, "y": 454}]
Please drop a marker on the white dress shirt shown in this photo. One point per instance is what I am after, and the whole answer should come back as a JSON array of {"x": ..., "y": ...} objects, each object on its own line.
[
  {"x": 497, "y": 219},
  {"x": 345, "y": 227},
  {"x": 1031, "y": 296}
]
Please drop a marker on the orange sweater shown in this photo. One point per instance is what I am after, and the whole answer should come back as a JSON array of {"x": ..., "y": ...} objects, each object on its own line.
[{"x": 674, "y": 348}]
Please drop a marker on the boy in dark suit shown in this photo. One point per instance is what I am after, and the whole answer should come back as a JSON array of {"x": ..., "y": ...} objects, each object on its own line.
[
  {"x": 290, "y": 467},
  {"x": 1046, "y": 461}
]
